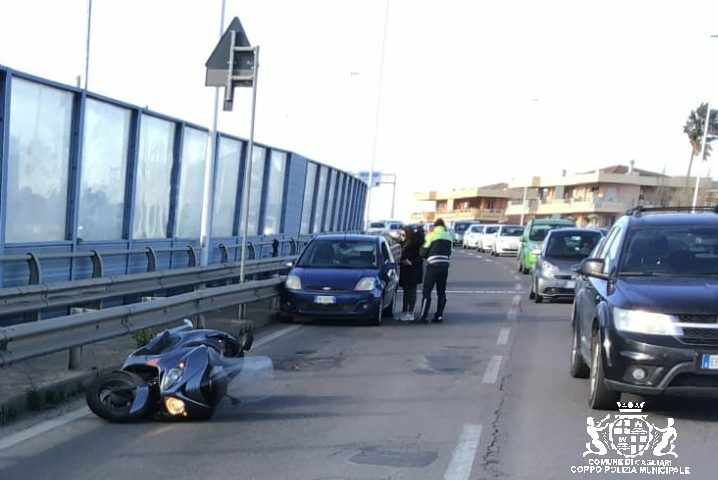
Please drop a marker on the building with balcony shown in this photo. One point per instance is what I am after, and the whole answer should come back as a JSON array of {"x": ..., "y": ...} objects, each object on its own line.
[
  {"x": 599, "y": 197},
  {"x": 487, "y": 204}
]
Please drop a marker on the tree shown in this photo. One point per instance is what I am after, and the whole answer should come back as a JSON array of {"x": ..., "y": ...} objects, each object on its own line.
[{"x": 694, "y": 129}]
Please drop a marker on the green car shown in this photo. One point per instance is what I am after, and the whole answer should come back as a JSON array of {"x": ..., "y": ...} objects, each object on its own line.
[{"x": 532, "y": 239}]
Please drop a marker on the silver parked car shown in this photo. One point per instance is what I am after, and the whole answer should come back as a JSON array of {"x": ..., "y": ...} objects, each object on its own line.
[
  {"x": 391, "y": 228},
  {"x": 552, "y": 275}
]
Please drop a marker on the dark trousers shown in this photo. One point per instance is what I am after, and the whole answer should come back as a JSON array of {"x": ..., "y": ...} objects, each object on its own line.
[
  {"x": 409, "y": 299},
  {"x": 435, "y": 275}
]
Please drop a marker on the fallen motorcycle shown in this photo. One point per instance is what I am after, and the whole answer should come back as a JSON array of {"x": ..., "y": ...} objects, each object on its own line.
[{"x": 181, "y": 373}]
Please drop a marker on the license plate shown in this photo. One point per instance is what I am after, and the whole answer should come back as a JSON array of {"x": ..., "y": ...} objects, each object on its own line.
[
  {"x": 570, "y": 284},
  {"x": 325, "y": 300},
  {"x": 710, "y": 362}
]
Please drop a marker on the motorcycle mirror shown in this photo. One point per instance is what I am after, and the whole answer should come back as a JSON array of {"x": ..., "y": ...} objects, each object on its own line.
[{"x": 246, "y": 341}]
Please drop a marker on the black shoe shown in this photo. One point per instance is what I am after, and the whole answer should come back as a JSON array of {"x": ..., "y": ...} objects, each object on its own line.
[{"x": 439, "y": 319}]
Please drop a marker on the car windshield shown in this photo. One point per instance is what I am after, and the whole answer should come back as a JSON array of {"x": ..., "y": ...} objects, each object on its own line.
[
  {"x": 394, "y": 226},
  {"x": 574, "y": 246},
  {"x": 475, "y": 229},
  {"x": 377, "y": 225},
  {"x": 683, "y": 251},
  {"x": 460, "y": 227},
  {"x": 490, "y": 230},
  {"x": 512, "y": 231},
  {"x": 339, "y": 254},
  {"x": 539, "y": 232}
]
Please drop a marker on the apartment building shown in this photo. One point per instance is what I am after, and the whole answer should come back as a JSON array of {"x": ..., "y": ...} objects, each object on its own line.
[
  {"x": 598, "y": 197},
  {"x": 595, "y": 198},
  {"x": 487, "y": 204}
]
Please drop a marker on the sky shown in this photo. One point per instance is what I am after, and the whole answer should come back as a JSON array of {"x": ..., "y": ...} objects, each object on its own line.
[{"x": 473, "y": 92}]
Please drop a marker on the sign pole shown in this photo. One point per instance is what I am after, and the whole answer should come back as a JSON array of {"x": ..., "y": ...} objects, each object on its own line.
[{"x": 248, "y": 176}]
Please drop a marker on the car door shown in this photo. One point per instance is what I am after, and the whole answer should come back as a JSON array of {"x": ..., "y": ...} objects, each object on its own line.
[
  {"x": 595, "y": 290},
  {"x": 389, "y": 274}
]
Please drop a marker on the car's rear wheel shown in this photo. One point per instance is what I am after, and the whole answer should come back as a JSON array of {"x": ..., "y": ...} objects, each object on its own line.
[
  {"x": 600, "y": 396},
  {"x": 577, "y": 366}
]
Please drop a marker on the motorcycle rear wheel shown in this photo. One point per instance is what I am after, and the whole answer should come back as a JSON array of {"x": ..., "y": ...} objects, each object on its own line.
[{"x": 110, "y": 396}]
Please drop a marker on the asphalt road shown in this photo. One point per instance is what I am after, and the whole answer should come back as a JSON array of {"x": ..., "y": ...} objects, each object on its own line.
[{"x": 485, "y": 395}]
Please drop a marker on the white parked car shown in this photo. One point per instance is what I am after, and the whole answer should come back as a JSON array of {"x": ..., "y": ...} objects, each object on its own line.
[
  {"x": 471, "y": 236},
  {"x": 507, "y": 240},
  {"x": 386, "y": 227},
  {"x": 485, "y": 240}
]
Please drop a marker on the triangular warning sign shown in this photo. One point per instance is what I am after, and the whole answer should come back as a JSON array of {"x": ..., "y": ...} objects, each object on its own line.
[{"x": 218, "y": 62}]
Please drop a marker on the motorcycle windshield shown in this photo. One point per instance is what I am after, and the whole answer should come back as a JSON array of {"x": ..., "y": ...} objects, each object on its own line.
[{"x": 251, "y": 379}]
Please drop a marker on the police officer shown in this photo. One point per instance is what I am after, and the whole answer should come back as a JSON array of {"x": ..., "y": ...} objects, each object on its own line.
[{"x": 437, "y": 251}]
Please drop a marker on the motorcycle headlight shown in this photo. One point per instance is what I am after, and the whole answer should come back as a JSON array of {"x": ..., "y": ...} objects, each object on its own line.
[
  {"x": 293, "y": 282},
  {"x": 173, "y": 375},
  {"x": 175, "y": 406},
  {"x": 638, "y": 321},
  {"x": 365, "y": 284}
]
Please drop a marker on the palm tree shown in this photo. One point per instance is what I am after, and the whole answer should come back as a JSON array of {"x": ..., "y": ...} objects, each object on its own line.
[{"x": 694, "y": 129}]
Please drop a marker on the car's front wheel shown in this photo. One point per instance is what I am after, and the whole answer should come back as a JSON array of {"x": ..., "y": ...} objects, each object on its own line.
[
  {"x": 600, "y": 396},
  {"x": 577, "y": 366},
  {"x": 375, "y": 319}
]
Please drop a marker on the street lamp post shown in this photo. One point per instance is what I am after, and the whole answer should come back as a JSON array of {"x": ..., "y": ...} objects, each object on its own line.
[{"x": 377, "y": 114}]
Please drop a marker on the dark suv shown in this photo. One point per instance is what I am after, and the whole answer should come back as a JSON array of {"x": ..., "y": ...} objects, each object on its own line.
[{"x": 645, "y": 319}]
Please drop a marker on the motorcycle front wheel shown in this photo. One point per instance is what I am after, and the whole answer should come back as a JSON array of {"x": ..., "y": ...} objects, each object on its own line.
[{"x": 110, "y": 396}]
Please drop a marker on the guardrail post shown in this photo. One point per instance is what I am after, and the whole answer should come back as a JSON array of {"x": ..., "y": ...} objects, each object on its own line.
[
  {"x": 250, "y": 247},
  {"x": 151, "y": 259},
  {"x": 97, "y": 267},
  {"x": 293, "y": 247},
  {"x": 75, "y": 357},
  {"x": 35, "y": 278},
  {"x": 275, "y": 248},
  {"x": 224, "y": 253},
  {"x": 191, "y": 256}
]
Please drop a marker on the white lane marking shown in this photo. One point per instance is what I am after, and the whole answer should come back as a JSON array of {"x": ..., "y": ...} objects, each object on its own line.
[
  {"x": 482, "y": 291},
  {"x": 273, "y": 336},
  {"x": 518, "y": 286},
  {"x": 516, "y": 300},
  {"x": 462, "y": 460},
  {"x": 492, "y": 370},
  {"x": 73, "y": 415},
  {"x": 43, "y": 428},
  {"x": 512, "y": 314},
  {"x": 503, "y": 336}
]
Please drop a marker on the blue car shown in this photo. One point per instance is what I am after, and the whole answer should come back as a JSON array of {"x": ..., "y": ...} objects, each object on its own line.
[{"x": 342, "y": 276}]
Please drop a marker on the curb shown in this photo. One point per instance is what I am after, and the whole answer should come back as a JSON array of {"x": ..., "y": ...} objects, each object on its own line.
[{"x": 44, "y": 396}]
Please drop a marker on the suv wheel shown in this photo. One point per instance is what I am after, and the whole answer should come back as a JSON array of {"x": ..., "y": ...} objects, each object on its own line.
[
  {"x": 600, "y": 397},
  {"x": 577, "y": 367}
]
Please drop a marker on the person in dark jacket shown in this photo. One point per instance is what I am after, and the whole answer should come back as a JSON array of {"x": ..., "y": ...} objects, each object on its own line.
[
  {"x": 437, "y": 251},
  {"x": 411, "y": 268}
]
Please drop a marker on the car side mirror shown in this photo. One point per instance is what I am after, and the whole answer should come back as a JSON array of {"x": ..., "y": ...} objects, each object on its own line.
[
  {"x": 246, "y": 341},
  {"x": 593, "y": 267}
]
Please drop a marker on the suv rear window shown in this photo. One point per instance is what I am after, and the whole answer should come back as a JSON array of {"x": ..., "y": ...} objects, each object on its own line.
[
  {"x": 539, "y": 232},
  {"x": 671, "y": 250}
]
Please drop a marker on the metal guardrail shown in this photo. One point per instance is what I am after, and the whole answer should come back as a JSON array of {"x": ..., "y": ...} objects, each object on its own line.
[
  {"x": 32, "y": 298},
  {"x": 95, "y": 256},
  {"x": 28, "y": 340}
]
